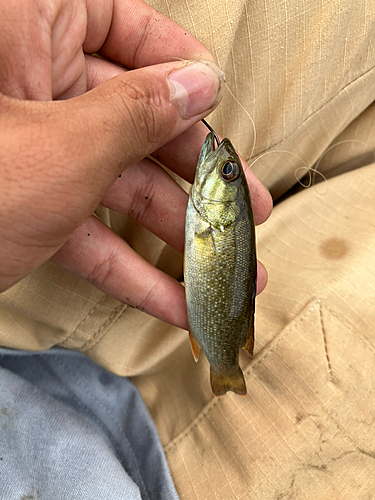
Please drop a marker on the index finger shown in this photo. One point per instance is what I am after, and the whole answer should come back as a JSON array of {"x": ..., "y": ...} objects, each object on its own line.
[{"x": 139, "y": 36}]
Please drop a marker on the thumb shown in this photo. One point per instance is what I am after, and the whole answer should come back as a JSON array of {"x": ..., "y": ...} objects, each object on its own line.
[
  {"x": 137, "y": 112},
  {"x": 76, "y": 148},
  {"x": 57, "y": 159}
]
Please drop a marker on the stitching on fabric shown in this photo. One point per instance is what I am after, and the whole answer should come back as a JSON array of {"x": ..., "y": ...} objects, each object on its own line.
[
  {"x": 261, "y": 356},
  {"x": 351, "y": 328},
  {"x": 95, "y": 338},
  {"x": 344, "y": 89},
  {"x": 106, "y": 430},
  {"x": 332, "y": 416},
  {"x": 330, "y": 373},
  {"x": 281, "y": 336},
  {"x": 69, "y": 335}
]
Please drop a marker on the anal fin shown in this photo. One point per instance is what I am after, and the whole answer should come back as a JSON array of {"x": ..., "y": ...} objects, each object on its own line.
[{"x": 195, "y": 347}]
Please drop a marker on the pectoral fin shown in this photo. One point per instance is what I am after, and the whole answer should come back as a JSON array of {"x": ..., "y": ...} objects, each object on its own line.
[{"x": 195, "y": 347}]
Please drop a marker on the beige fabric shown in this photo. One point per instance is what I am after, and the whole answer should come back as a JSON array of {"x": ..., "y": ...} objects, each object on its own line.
[{"x": 305, "y": 71}]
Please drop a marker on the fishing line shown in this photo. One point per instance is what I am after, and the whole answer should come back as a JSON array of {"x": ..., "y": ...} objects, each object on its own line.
[
  {"x": 333, "y": 146},
  {"x": 248, "y": 114},
  {"x": 311, "y": 171},
  {"x": 308, "y": 169},
  {"x": 238, "y": 102}
]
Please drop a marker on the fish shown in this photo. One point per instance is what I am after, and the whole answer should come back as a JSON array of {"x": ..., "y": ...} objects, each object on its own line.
[{"x": 220, "y": 264}]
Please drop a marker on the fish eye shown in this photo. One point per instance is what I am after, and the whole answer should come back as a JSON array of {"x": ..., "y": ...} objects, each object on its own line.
[{"x": 230, "y": 171}]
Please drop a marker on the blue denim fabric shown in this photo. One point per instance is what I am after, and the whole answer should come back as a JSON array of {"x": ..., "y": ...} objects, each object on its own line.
[{"x": 71, "y": 430}]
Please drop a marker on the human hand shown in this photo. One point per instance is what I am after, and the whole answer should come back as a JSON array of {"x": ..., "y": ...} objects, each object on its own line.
[{"x": 59, "y": 160}]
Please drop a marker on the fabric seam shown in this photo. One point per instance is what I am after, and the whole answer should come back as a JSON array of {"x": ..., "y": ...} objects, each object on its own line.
[
  {"x": 351, "y": 328},
  {"x": 302, "y": 124},
  {"x": 96, "y": 337},
  {"x": 82, "y": 321}
]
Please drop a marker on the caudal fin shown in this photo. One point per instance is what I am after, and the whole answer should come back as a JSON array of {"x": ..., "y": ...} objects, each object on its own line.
[{"x": 228, "y": 379}]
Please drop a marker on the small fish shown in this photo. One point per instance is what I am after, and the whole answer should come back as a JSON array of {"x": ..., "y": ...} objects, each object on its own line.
[{"x": 220, "y": 264}]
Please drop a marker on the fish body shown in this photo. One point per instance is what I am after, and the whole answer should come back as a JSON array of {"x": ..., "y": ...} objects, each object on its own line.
[{"x": 220, "y": 264}]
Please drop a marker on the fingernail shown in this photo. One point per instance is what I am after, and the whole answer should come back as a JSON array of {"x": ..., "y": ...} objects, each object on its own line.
[{"x": 196, "y": 87}]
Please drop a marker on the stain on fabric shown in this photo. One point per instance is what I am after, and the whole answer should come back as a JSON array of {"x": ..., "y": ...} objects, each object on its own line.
[
  {"x": 7, "y": 412},
  {"x": 320, "y": 468},
  {"x": 32, "y": 496},
  {"x": 267, "y": 378},
  {"x": 300, "y": 416},
  {"x": 334, "y": 248},
  {"x": 289, "y": 494},
  {"x": 370, "y": 454},
  {"x": 5, "y": 422},
  {"x": 105, "y": 378}
]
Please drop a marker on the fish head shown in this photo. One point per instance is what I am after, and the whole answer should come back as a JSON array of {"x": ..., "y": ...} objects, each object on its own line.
[{"x": 218, "y": 178}]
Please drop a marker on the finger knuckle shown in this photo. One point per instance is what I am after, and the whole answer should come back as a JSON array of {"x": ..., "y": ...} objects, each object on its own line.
[
  {"x": 102, "y": 271},
  {"x": 144, "y": 104},
  {"x": 141, "y": 203},
  {"x": 150, "y": 297}
]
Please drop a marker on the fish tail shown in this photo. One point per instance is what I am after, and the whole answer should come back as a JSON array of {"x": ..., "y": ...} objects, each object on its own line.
[{"x": 227, "y": 379}]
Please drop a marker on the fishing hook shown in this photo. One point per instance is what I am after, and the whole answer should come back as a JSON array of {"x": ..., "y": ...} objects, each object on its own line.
[{"x": 213, "y": 131}]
